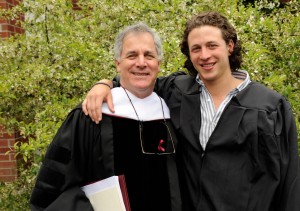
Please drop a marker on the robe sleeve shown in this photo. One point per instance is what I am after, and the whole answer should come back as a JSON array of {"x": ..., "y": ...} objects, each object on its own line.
[
  {"x": 286, "y": 133},
  {"x": 67, "y": 166}
]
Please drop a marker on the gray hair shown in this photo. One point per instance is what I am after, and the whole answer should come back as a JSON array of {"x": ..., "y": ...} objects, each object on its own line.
[{"x": 139, "y": 27}]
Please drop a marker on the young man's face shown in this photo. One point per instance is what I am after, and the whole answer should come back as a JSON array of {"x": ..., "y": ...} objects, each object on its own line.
[
  {"x": 139, "y": 65},
  {"x": 209, "y": 53}
]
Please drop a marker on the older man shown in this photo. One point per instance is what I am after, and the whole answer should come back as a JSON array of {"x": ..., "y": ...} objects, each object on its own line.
[{"x": 136, "y": 141}]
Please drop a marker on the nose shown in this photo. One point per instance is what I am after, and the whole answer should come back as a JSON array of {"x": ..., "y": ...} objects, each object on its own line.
[
  {"x": 141, "y": 61},
  {"x": 205, "y": 54}
]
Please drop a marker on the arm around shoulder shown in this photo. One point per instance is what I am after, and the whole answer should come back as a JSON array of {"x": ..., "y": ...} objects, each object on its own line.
[
  {"x": 164, "y": 83},
  {"x": 99, "y": 93}
]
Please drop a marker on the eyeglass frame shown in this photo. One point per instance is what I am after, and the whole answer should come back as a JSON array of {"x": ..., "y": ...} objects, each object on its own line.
[{"x": 156, "y": 153}]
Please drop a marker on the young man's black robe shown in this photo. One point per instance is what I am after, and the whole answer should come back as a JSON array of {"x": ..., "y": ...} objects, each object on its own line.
[
  {"x": 251, "y": 160},
  {"x": 83, "y": 152}
]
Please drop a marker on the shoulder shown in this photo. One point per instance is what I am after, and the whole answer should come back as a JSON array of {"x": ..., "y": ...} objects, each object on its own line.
[
  {"x": 185, "y": 84},
  {"x": 76, "y": 117},
  {"x": 77, "y": 111},
  {"x": 259, "y": 96}
]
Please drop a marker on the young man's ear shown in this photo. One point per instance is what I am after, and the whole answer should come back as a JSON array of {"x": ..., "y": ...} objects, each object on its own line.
[{"x": 230, "y": 47}]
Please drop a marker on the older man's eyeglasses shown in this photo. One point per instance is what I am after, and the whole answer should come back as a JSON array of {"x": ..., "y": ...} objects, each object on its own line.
[{"x": 156, "y": 138}]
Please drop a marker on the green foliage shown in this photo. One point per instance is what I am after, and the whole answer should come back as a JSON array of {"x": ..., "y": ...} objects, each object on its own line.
[
  {"x": 14, "y": 196},
  {"x": 49, "y": 69}
]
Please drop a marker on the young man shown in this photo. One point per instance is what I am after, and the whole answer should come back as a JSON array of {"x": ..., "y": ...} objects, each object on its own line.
[
  {"x": 136, "y": 141},
  {"x": 237, "y": 145}
]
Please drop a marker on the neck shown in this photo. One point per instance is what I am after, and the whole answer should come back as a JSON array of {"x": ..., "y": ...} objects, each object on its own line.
[{"x": 222, "y": 86}]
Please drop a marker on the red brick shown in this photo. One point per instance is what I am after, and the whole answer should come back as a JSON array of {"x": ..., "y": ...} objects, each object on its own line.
[
  {"x": 16, "y": 2},
  {"x": 4, "y": 157},
  {"x": 8, "y": 178},
  {"x": 4, "y": 143},
  {"x": 10, "y": 134},
  {"x": 10, "y": 2},
  {"x": 12, "y": 156},
  {"x": 19, "y": 30},
  {"x": 4, "y": 27},
  {"x": 10, "y": 164},
  {"x": 7, "y": 135},
  {"x": 4, "y": 34},
  {"x": 3, "y": 21},
  {"x": 11, "y": 143},
  {"x": 7, "y": 157},
  {"x": 4, "y": 149},
  {"x": 12, "y": 21},
  {"x": 3, "y": 5},
  {"x": 11, "y": 28},
  {"x": 8, "y": 172},
  {"x": 75, "y": 5}
]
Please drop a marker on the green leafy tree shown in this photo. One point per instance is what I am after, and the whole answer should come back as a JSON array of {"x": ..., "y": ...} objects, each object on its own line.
[{"x": 48, "y": 70}]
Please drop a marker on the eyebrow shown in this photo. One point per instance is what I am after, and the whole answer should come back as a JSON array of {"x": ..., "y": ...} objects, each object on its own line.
[
  {"x": 135, "y": 52},
  {"x": 150, "y": 52},
  {"x": 130, "y": 52},
  {"x": 212, "y": 42}
]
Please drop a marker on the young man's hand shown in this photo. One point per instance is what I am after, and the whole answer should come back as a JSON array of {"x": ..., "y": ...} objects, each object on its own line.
[{"x": 92, "y": 104}]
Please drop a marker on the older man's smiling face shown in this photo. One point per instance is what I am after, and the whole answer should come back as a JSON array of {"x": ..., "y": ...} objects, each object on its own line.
[{"x": 139, "y": 65}]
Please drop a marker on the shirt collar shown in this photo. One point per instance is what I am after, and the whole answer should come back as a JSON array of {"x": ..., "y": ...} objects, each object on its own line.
[{"x": 239, "y": 74}]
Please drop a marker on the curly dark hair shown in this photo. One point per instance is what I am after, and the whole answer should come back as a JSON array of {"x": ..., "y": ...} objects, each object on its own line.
[{"x": 228, "y": 32}]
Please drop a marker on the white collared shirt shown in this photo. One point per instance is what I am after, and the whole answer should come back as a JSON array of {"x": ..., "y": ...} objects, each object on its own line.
[{"x": 209, "y": 116}]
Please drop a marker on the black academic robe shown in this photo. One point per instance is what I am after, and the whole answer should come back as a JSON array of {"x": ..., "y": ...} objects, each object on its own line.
[
  {"x": 251, "y": 160},
  {"x": 83, "y": 152}
]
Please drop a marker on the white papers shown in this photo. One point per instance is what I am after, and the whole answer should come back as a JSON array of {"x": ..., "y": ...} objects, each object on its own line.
[{"x": 105, "y": 195}]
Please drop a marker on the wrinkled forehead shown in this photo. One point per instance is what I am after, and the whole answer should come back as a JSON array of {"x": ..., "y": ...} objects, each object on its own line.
[{"x": 139, "y": 41}]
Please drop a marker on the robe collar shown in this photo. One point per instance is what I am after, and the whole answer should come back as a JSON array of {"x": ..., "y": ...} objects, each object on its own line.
[{"x": 148, "y": 108}]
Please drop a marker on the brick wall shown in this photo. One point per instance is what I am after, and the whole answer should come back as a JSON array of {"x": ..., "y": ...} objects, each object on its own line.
[
  {"x": 8, "y": 162},
  {"x": 75, "y": 5},
  {"x": 10, "y": 27}
]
